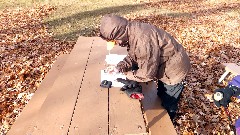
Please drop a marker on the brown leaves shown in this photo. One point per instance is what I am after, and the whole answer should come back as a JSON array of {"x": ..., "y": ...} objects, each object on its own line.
[
  {"x": 210, "y": 34},
  {"x": 209, "y": 31},
  {"x": 27, "y": 52}
]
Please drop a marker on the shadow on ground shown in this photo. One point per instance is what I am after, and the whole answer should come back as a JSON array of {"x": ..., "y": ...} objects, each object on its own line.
[{"x": 91, "y": 29}]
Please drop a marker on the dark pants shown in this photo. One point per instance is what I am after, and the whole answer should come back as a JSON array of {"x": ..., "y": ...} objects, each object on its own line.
[{"x": 170, "y": 95}]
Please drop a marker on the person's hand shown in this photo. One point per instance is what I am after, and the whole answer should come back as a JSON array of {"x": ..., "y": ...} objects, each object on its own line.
[
  {"x": 111, "y": 70},
  {"x": 121, "y": 67},
  {"x": 222, "y": 97}
]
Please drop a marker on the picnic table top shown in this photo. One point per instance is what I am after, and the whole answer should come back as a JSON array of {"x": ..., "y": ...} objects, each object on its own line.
[{"x": 70, "y": 100}]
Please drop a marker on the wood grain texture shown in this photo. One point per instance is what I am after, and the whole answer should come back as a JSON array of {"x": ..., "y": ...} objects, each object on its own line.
[
  {"x": 24, "y": 121},
  {"x": 72, "y": 102},
  {"x": 91, "y": 111},
  {"x": 55, "y": 114},
  {"x": 158, "y": 120},
  {"x": 125, "y": 114}
]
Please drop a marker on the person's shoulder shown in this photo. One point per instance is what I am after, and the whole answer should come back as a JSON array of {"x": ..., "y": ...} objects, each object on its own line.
[{"x": 141, "y": 26}]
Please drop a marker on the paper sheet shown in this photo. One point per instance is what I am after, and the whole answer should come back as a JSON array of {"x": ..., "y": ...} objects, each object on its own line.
[
  {"x": 112, "y": 78},
  {"x": 113, "y": 59}
]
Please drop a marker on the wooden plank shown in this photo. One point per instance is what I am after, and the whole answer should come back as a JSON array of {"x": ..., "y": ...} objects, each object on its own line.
[
  {"x": 29, "y": 112},
  {"x": 91, "y": 111},
  {"x": 232, "y": 67},
  {"x": 158, "y": 120},
  {"x": 55, "y": 114},
  {"x": 125, "y": 114}
]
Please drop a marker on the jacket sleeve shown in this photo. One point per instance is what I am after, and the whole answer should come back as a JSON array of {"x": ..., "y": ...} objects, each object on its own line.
[
  {"x": 235, "y": 90},
  {"x": 148, "y": 55},
  {"x": 126, "y": 64}
]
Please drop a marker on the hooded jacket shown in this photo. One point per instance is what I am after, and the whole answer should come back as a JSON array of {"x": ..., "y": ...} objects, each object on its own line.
[{"x": 156, "y": 53}]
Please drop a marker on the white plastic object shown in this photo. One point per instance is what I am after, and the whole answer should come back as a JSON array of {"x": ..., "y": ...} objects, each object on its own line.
[
  {"x": 223, "y": 76},
  {"x": 218, "y": 96}
]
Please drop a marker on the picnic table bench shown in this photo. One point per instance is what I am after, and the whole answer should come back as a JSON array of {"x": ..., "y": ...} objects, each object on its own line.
[
  {"x": 233, "y": 68},
  {"x": 70, "y": 100}
]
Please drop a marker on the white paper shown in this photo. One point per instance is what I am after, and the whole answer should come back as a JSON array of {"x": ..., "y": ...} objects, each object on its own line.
[
  {"x": 112, "y": 78},
  {"x": 113, "y": 59}
]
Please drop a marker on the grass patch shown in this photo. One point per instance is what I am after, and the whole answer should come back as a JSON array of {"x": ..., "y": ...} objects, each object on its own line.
[
  {"x": 68, "y": 22},
  {"x": 74, "y": 18}
]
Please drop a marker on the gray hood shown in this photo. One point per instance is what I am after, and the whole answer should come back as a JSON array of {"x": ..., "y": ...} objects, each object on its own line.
[{"x": 113, "y": 27}]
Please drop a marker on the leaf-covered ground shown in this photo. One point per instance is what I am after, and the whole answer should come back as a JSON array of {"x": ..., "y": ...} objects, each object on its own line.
[
  {"x": 211, "y": 35},
  {"x": 209, "y": 31},
  {"x": 27, "y": 52}
]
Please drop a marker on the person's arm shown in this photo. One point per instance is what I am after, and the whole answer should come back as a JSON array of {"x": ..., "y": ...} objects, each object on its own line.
[
  {"x": 126, "y": 64},
  {"x": 148, "y": 57},
  {"x": 236, "y": 91}
]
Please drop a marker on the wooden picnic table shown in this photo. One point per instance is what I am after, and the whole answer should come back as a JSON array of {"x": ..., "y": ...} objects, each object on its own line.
[
  {"x": 233, "y": 68},
  {"x": 70, "y": 100}
]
